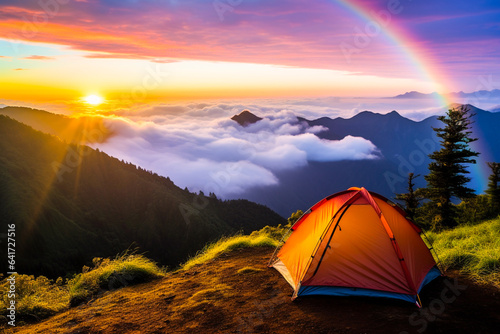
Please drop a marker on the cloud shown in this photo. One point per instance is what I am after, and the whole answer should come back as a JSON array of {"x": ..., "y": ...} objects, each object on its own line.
[
  {"x": 20, "y": 69},
  {"x": 198, "y": 146},
  {"x": 36, "y": 57},
  {"x": 317, "y": 35}
]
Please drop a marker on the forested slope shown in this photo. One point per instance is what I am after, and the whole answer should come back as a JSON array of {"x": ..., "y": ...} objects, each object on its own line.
[{"x": 72, "y": 203}]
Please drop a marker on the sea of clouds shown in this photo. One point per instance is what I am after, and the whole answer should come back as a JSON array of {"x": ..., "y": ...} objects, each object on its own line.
[{"x": 198, "y": 146}]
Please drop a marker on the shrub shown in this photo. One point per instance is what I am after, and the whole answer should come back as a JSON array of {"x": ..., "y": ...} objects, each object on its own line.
[
  {"x": 124, "y": 270},
  {"x": 36, "y": 298},
  {"x": 266, "y": 237}
]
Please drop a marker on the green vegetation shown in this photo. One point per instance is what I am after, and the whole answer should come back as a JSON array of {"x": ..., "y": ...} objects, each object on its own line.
[
  {"x": 248, "y": 270},
  {"x": 447, "y": 172},
  {"x": 266, "y": 237},
  {"x": 124, "y": 270},
  {"x": 294, "y": 217},
  {"x": 493, "y": 186},
  {"x": 36, "y": 298},
  {"x": 472, "y": 249},
  {"x": 81, "y": 130},
  {"x": 71, "y": 203},
  {"x": 412, "y": 198}
]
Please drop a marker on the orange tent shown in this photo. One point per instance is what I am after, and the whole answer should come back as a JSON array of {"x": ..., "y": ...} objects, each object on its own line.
[{"x": 357, "y": 243}]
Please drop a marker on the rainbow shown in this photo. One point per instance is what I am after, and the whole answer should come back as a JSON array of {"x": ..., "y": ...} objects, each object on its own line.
[
  {"x": 428, "y": 71},
  {"x": 404, "y": 42},
  {"x": 480, "y": 171}
]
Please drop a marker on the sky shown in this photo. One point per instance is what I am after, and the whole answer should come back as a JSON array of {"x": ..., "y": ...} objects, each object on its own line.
[
  {"x": 167, "y": 75},
  {"x": 56, "y": 52}
]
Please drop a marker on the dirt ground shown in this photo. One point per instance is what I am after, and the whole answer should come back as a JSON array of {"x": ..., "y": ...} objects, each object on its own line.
[{"x": 216, "y": 298}]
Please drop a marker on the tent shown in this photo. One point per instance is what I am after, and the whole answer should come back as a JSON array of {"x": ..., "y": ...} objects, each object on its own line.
[{"x": 356, "y": 243}]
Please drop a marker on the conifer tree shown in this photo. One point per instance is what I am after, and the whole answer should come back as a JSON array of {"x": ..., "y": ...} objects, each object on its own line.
[
  {"x": 412, "y": 198},
  {"x": 447, "y": 172}
]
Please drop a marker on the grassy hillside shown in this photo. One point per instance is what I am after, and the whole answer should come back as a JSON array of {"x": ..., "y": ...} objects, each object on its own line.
[
  {"x": 71, "y": 203},
  {"x": 472, "y": 249},
  {"x": 237, "y": 293}
]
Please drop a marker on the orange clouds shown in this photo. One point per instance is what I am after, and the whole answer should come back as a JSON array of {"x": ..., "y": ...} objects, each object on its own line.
[{"x": 36, "y": 57}]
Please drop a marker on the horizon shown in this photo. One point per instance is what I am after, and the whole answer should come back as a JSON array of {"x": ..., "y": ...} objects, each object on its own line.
[
  {"x": 166, "y": 76},
  {"x": 88, "y": 54}
]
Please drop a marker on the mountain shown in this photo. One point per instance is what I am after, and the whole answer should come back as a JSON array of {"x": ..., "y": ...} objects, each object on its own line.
[
  {"x": 495, "y": 93},
  {"x": 404, "y": 146},
  {"x": 237, "y": 293},
  {"x": 70, "y": 203},
  {"x": 416, "y": 95},
  {"x": 73, "y": 130},
  {"x": 246, "y": 118}
]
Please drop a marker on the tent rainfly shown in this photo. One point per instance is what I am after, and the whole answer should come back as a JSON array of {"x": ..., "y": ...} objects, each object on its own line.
[{"x": 356, "y": 243}]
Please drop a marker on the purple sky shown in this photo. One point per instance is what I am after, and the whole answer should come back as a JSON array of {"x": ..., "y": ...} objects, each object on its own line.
[{"x": 458, "y": 38}]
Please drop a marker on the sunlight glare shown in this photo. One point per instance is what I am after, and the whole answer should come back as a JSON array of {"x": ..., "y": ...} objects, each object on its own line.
[{"x": 93, "y": 99}]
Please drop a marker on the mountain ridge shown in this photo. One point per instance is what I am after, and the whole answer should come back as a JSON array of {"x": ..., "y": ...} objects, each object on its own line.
[
  {"x": 404, "y": 145},
  {"x": 476, "y": 94},
  {"x": 71, "y": 203}
]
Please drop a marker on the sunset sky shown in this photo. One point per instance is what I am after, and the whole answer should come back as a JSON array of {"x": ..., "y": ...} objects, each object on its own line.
[{"x": 137, "y": 51}]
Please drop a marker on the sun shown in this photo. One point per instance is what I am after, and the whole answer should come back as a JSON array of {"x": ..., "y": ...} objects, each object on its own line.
[{"x": 93, "y": 99}]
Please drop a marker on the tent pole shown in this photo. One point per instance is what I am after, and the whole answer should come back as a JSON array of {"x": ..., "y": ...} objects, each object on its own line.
[
  {"x": 280, "y": 243},
  {"x": 419, "y": 302},
  {"x": 431, "y": 249}
]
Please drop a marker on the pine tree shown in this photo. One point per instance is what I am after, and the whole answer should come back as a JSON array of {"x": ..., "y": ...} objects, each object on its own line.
[
  {"x": 493, "y": 187},
  {"x": 412, "y": 198},
  {"x": 447, "y": 172}
]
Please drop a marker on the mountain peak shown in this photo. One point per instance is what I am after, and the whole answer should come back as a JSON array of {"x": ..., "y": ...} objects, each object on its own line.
[
  {"x": 246, "y": 118},
  {"x": 415, "y": 95},
  {"x": 394, "y": 113}
]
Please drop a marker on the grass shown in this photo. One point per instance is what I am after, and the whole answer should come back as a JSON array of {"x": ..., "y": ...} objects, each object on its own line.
[
  {"x": 266, "y": 237},
  {"x": 124, "y": 270},
  {"x": 39, "y": 298},
  {"x": 36, "y": 298},
  {"x": 472, "y": 249},
  {"x": 248, "y": 270}
]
